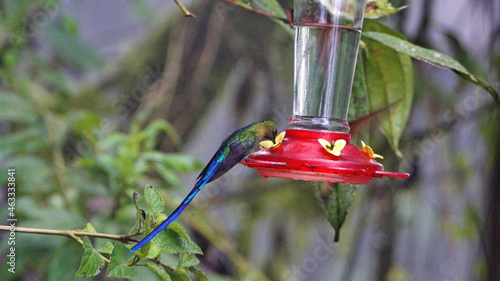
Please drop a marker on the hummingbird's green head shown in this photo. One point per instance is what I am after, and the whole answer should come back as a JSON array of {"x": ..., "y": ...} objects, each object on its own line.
[{"x": 266, "y": 130}]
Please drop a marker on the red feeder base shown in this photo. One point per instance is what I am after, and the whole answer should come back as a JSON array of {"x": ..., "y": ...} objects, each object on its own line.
[{"x": 300, "y": 156}]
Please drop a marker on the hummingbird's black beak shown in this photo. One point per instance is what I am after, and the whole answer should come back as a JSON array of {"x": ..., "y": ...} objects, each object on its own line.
[{"x": 275, "y": 133}]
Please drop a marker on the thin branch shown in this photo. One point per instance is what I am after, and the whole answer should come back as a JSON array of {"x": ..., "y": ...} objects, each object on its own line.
[
  {"x": 73, "y": 234},
  {"x": 183, "y": 8},
  {"x": 166, "y": 266},
  {"x": 243, "y": 5}
]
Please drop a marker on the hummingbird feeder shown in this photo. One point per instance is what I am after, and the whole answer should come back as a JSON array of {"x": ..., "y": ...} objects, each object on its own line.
[{"x": 317, "y": 146}]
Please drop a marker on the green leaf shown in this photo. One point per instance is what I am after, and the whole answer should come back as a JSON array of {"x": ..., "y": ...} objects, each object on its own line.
[
  {"x": 158, "y": 269},
  {"x": 154, "y": 201},
  {"x": 92, "y": 262},
  {"x": 371, "y": 25},
  {"x": 140, "y": 215},
  {"x": 107, "y": 249},
  {"x": 177, "y": 228},
  {"x": 158, "y": 126},
  {"x": 168, "y": 174},
  {"x": 175, "y": 240},
  {"x": 359, "y": 90},
  {"x": 199, "y": 274},
  {"x": 187, "y": 260},
  {"x": 359, "y": 106},
  {"x": 431, "y": 57},
  {"x": 335, "y": 200},
  {"x": 89, "y": 228},
  {"x": 182, "y": 274},
  {"x": 380, "y": 8},
  {"x": 151, "y": 249},
  {"x": 389, "y": 76},
  {"x": 179, "y": 161},
  {"x": 116, "y": 267},
  {"x": 273, "y": 7}
]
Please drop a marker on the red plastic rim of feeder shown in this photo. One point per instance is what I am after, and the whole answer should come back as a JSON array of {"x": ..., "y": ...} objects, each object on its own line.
[{"x": 300, "y": 156}]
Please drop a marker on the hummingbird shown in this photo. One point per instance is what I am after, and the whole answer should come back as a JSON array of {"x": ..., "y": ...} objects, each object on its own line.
[{"x": 232, "y": 150}]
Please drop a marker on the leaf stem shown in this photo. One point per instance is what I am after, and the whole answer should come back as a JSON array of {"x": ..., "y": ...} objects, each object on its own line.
[
  {"x": 166, "y": 266},
  {"x": 183, "y": 8}
]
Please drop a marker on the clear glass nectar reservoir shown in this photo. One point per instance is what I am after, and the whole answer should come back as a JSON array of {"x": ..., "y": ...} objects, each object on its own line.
[
  {"x": 326, "y": 44},
  {"x": 316, "y": 145}
]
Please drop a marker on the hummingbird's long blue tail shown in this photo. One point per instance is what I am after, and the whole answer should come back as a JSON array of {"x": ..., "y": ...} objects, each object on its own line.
[{"x": 199, "y": 185}]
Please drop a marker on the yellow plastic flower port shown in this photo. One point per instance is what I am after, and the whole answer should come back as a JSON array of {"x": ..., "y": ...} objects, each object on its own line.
[
  {"x": 269, "y": 144},
  {"x": 335, "y": 147},
  {"x": 368, "y": 150}
]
